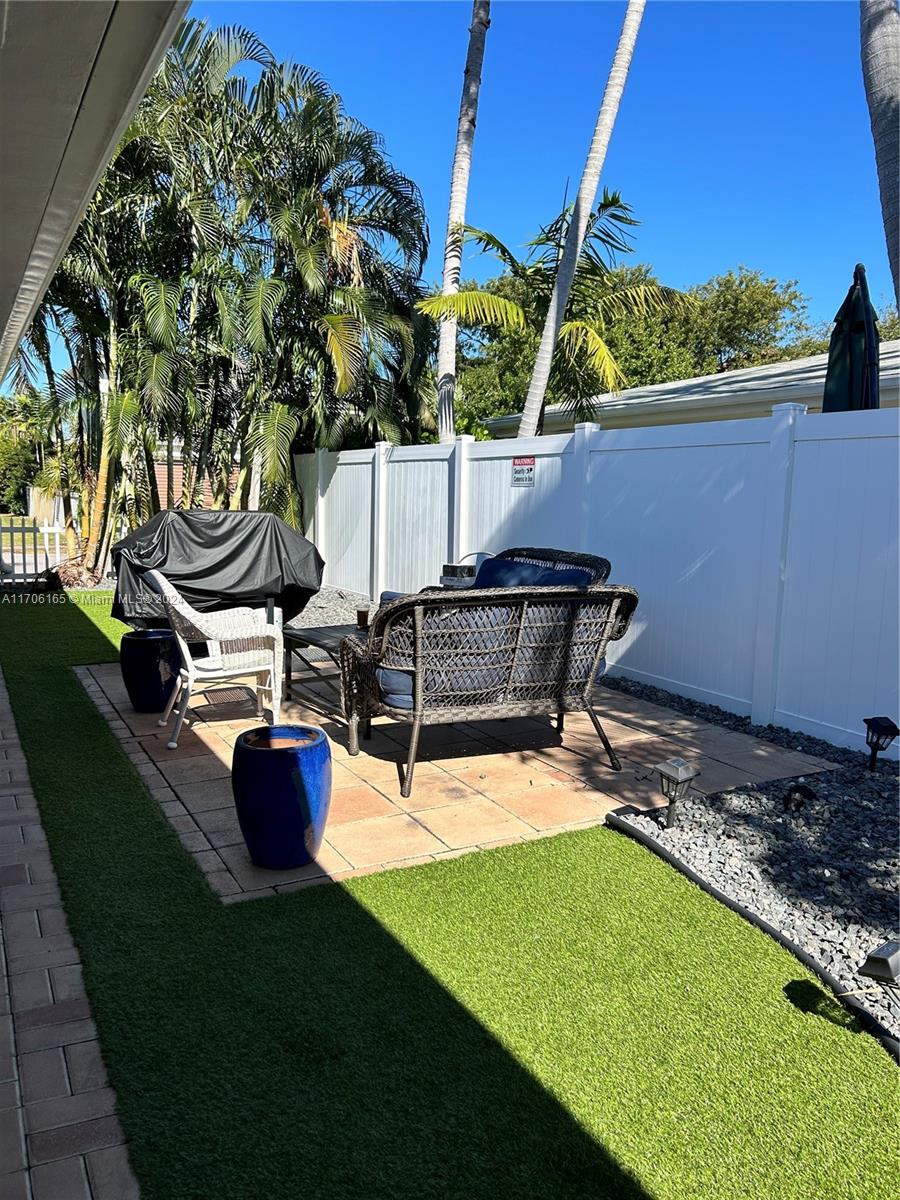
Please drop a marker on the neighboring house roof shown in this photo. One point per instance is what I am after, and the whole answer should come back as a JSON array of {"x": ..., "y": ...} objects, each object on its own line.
[
  {"x": 71, "y": 75},
  {"x": 750, "y": 392}
]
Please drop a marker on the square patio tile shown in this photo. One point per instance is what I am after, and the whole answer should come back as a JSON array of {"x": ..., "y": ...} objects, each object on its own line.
[
  {"x": 648, "y": 751},
  {"x": 156, "y": 746},
  {"x": 358, "y": 803},
  {"x": 505, "y": 776},
  {"x": 206, "y": 795},
  {"x": 545, "y": 808},
  {"x": 428, "y": 791},
  {"x": 382, "y": 840},
  {"x": 194, "y": 770},
  {"x": 472, "y": 823},
  {"x": 716, "y": 776},
  {"x": 634, "y": 784},
  {"x": 253, "y": 878}
]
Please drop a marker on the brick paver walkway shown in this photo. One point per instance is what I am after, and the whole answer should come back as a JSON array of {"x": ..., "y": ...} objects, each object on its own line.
[
  {"x": 59, "y": 1136},
  {"x": 477, "y": 784}
]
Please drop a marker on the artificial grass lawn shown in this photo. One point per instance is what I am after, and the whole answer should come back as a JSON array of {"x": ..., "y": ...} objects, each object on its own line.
[{"x": 563, "y": 1018}]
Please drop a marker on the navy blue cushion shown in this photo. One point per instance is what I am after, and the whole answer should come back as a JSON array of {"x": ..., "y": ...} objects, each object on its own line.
[
  {"x": 396, "y": 687},
  {"x": 506, "y": 572},
  {"x": 564, "y": 577},
  {"x": 387, "y": 597}
]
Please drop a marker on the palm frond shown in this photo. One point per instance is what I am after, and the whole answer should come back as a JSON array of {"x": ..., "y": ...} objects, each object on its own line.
[
  {"x": 475, "y": 308},
  {"x": 342, "y": 340},
  {"x": 582, "y": 344},
  {"x": 261, "y": 299}
]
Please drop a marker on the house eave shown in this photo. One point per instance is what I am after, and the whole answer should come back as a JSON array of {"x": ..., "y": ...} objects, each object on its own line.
[{"x": 71, "y": 76}]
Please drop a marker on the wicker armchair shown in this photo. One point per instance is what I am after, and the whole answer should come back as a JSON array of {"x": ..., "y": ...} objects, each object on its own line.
[
  {"x": 239, "y": 643},
  {"x": 484, "y": 653}
]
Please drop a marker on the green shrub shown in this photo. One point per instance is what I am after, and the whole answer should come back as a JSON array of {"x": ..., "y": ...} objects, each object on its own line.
[{"x": 17, "y": 469}]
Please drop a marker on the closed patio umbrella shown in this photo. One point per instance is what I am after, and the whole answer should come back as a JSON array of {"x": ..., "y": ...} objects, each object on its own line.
[{"x": 852, "y": 377}]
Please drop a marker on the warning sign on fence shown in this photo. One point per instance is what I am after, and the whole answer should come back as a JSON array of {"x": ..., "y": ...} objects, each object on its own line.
[{"x": 523, "y": 471}]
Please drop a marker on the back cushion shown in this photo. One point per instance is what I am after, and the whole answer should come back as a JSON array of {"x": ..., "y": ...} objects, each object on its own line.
[
  {"x": 506, "y": 572},
  {"x": 564, "y": 577}
]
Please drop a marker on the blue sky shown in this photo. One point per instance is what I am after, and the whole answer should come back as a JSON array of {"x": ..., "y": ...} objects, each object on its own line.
[{"x": 743, "y": 135}]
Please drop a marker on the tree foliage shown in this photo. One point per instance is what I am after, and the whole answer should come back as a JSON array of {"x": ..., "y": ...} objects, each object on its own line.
[
  {"x": 503, "y": 320},
  {"x": 243, "y": 284},
  {"x": 737, "y": 319},
  {"x": 17, "y": 470}
]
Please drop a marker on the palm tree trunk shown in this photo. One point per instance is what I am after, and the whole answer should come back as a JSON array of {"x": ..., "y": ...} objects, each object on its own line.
[
  {"x": 170, "y": 469},
  {"x": 879, "y": 36},
  {"x": 100, "y": 506},
  {"x": 584, "y": 202},
  {"x": 65, "y": 492},
  {"x": 152, "y": 485},
  {"x": 459, "y": 186}
]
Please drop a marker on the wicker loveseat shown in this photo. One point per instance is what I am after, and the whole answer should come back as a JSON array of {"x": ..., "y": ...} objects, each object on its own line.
[{"x": 488, "y": 652}]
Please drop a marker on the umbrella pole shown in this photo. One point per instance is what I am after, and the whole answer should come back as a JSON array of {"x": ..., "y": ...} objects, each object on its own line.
[{"x": 872, "y": 381}]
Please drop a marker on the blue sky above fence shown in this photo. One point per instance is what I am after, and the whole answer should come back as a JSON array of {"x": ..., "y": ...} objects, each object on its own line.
[{"x": 743, "y": 135}]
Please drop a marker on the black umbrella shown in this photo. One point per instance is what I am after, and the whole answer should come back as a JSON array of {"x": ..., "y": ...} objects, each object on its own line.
[{"x": 852, "y": 377}]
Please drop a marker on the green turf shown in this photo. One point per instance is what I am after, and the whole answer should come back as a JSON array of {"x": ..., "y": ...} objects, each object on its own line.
[{"x": 564, "y": 1018}]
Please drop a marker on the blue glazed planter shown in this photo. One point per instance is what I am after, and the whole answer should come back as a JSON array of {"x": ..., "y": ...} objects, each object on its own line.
[
  {"x": 281, "y": 779},
  {"x": 150, "y": 662}
]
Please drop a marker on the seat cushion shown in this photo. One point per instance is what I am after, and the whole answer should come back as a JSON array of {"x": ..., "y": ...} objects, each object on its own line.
[{"x": 396, "y": 687}]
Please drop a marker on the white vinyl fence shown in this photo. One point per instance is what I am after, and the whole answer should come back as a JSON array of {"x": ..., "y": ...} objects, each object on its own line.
[
  {"x": 27, "y": 549},
  {"x": 765, "y": 551}
]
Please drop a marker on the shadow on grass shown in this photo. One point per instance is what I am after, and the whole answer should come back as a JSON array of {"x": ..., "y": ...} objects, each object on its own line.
[
  {"x": 809, "y": 998},
  {"x": 279, "y": 1048}
]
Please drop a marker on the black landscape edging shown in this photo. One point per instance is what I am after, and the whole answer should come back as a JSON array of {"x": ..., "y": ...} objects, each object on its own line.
[{"x": 866, "y": 1019}]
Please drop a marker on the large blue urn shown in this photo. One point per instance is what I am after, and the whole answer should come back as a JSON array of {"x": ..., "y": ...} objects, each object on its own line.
[
  {"x": 281, "y": 780},
  {"x": 150, "y": 662}
]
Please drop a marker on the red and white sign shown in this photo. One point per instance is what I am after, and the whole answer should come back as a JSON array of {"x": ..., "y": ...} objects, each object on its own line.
[{"x": 523, "y": 471}]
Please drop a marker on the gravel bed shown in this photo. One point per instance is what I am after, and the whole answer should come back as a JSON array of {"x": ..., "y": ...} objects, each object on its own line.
[
  {"x": 789, "y": 739},
  {"x": 330, "y": 606},
  {"x": 825, "y": 876}
]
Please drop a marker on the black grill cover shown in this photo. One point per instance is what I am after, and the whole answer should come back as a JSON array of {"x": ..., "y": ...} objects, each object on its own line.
[{"x": 216, "y": 560}]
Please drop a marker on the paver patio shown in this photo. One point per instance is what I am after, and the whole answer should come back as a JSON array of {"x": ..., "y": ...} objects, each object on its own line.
[
  {"x": 477, "y": 784},
  {"x": 59, "y": 1136}
]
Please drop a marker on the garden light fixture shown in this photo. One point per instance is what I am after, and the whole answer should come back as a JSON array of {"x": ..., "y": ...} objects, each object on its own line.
[
  {"x": 880, "y": 732},
  {"x": 675, "y": 777},
  {"x": 883, "y": 964}
]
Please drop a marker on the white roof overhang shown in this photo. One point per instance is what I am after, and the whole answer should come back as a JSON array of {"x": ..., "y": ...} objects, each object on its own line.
[{"x": 72, "y": 73}]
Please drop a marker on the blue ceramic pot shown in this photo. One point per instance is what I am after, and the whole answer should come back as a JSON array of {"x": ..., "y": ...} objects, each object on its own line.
[
  {"x": 150, "y": 662},
  {"x": 281, "y": 779}
]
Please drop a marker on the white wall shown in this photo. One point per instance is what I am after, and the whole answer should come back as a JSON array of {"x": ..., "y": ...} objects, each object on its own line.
[{"x": 765, "y": 551}]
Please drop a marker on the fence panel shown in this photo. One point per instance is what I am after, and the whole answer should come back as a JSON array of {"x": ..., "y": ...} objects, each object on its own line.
[
  {"x": 539, "y": 514},
  {"x": 417, "y": 529},
  {"x": 348, "y": 530},
  {"x": 839, "y": 653},
  {"x": 307, "y": 483},
  {"x": 765, "y": 551},
  {"x": 27, "y": 549},
  {"x": 677, "y": 510}
]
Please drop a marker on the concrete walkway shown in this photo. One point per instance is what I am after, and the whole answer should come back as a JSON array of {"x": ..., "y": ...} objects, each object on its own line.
[{"x": 59, "y": 1136}]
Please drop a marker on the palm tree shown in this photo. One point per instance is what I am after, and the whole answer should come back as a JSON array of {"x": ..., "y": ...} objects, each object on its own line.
[
  {"x": 584, "y": 202},
  {"x": 879, "y": 35},
  {"x": 459, "y": 186},
  {"x": 519, "y": 300},
  {"x": 245, "y": 278}
]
